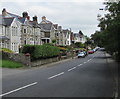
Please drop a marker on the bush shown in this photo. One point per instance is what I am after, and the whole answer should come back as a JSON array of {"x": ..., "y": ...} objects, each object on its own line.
[
  {"x": 6, "y": 50},
  {"x": 41, "y": 51}
]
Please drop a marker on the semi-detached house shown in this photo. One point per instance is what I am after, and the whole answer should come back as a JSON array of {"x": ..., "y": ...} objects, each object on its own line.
[{"x": 16, "y": 31}]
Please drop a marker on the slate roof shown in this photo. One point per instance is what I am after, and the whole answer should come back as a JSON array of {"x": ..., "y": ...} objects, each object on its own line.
[
  {"x": 12, "y": 15},
  {"x": 65, "y": 31},
  {"x": 8, "y": 21},
  {"x": 60, "y": 28},
  {"x": 4, "y": 38},
  {"x": 55, "y": 26},
  {"x": 1, "y": 20},
  {"x": 34, "y": 24},
  {"x": 21, "y": 19},
  {"x": 47, "y": 26},
  {"x": 45, "y": 22}
]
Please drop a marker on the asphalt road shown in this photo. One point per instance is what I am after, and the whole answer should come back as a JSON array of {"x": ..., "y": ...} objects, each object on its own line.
[{"x": 84, "y": 77}]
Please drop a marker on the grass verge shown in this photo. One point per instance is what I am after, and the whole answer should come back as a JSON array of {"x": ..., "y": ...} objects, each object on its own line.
[{"x": 10, "y": 64}]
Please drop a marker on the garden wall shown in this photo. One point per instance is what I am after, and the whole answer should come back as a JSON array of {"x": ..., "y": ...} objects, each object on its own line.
[{"x": 25, "y": 59}]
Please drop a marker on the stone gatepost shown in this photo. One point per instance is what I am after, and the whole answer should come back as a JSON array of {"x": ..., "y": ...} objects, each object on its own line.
[{"x": 28, "y": 59}]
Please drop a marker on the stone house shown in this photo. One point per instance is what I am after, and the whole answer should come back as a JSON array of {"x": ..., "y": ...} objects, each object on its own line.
[
  {"x": 30, "y": 31},
  {"x": 10, "y": 32},
  {"x": 49, "y": 30},
  {"x": 16, "y": 31},
  {"x": 58, "y": 34}
]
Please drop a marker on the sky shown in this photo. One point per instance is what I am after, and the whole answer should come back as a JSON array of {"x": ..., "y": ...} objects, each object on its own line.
[{"x": 74, "y": 14}]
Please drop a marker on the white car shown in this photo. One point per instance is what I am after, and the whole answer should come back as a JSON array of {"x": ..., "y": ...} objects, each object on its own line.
[{"x": 81, "y": 54}]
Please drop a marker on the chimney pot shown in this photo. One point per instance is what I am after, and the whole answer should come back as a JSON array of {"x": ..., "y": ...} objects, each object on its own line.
[
  {"x": 25, "y": 14},
  {"x": 43, "y": 18},
  {"x": 35, "y": 18},
  {"x": 4, "y": 12}
]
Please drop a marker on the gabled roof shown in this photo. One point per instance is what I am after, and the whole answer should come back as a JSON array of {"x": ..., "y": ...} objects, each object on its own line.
[
  {"x": 65, "y": 31},
  {"x": 55, "y": 26},
  {"x": 60, "y": 28},
  {"x": 47, "y": 26},
  {"x": 45, "y": 22},
  {"x": 8, "y": 21},
  {"x": 12, "y": 15},
  {"x": 1, "y": 20},
  {"x": 4, "y": 38},
  {"x": 34, "y": 24},
  {"x": 21, "y": 19}
]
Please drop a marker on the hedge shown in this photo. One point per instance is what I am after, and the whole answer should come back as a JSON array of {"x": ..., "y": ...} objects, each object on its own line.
[
  {"x": 41, "y": 51},
  {"x": 6, "y": 50}
]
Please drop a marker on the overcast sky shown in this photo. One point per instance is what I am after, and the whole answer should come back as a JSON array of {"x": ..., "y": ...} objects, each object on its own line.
[{"x": 74, "y": 14}]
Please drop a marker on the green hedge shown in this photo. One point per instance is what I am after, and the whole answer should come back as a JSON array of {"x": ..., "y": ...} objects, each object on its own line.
[
  {"x": 6, "y": 50},
  {"x": 41, "y": 51}
]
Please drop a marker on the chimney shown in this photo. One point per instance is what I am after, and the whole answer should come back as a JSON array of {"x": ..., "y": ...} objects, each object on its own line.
[
  {"x": 35, "y": 18},
  {"x": 25, "y": 14},
  {"x": 43, "y": 18},
  {"x": 4, "y": 12}
]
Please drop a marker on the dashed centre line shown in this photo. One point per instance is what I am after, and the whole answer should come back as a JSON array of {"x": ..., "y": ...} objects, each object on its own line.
[
  {"x": 18, "y": 89},
  {"x": 71, "y": 69},
  {"x": 56, "y": 75},
  {"x": 80, "y": 64}
]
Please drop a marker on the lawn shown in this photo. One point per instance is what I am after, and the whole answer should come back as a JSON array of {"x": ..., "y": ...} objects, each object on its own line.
[{"x": 10, "y": 64}]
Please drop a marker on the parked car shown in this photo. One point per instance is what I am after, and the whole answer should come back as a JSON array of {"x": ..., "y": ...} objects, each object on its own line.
[
  {"x": 90, "y": 52},
  {"x": 94, "y": 49},
  {"x": 85, "y": 52},
  {"x": 81, "y": 54}
]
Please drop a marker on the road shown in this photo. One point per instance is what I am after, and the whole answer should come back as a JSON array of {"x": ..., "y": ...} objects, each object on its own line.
[{"x": 84, "y": 77}]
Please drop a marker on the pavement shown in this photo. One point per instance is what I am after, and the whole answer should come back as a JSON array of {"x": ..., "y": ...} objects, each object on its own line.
[
  {"x": 92, "y": 76},
  {"x": 114, "y": 67}
]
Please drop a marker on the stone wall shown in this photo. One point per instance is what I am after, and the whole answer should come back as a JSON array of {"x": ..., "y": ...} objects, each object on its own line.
[
  {"x": 22, "y": 58},
  {"x": 25, "y": 59},
  {"x": 44, "y": 61}
]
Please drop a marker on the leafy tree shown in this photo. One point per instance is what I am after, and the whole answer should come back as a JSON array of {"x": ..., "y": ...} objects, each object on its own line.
[{"x": 109, "y": 36}]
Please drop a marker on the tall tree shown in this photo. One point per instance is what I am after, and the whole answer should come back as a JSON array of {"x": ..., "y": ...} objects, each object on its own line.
[{"x": 109, "y": 35}]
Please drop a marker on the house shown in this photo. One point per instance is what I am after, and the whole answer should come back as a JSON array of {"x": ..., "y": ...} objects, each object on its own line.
[
  {"x": 16, "y": 31},
  {"x": 10, "y": 33},
  {"x": 49, "y": 30},
  {"x": 58, "y": 34},
  {"x": 79, "y": 37},
  {"x": 66, "y": 37},
  {"x": 30, "y": 30}
]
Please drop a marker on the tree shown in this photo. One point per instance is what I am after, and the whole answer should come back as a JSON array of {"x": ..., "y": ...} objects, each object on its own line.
[{"x": 109, "y": 36}]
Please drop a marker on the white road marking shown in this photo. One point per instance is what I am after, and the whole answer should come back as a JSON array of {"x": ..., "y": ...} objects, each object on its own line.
[
  {"x": 80, "y": 64},
  {"x": 56, "y": 75},
  {"x": 88, "y": 60},
  {"x": 85, "y": 62},
  {"x": 18, "y": 89},
  {"x": 71, "y": 68}
]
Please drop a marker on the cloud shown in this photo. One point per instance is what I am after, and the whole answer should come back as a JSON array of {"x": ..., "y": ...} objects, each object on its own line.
[{"x": 73, "y": 14}]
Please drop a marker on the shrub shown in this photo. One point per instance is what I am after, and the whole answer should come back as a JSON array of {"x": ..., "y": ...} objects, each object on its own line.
[
  {"x": 41, "y": 51},
  {"x": 6, "y": 50}
]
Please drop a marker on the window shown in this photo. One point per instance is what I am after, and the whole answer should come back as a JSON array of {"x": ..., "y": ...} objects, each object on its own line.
[
  {"x": 24, "y": 30},
  {"x": 25, "y": 42},
  {"x": 16, "y": 31}
]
